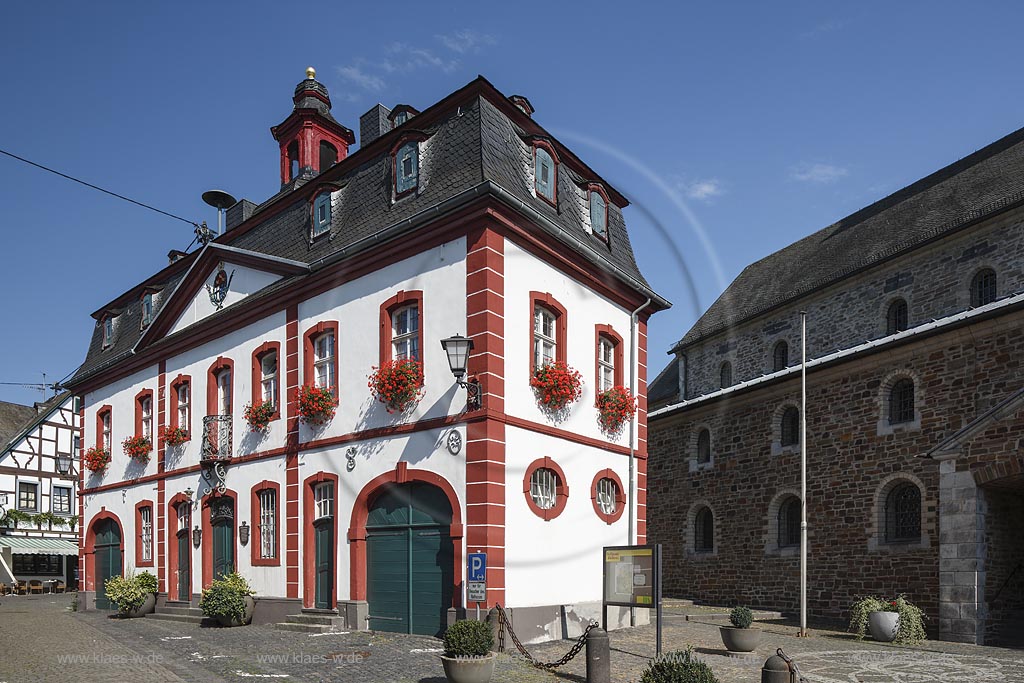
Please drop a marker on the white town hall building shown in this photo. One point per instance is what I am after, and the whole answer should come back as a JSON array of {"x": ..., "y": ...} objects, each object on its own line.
[{"x": 467, "y": 218}]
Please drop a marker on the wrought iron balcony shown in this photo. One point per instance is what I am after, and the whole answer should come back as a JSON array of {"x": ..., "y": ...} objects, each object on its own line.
[{"x": 216, "y": 438}]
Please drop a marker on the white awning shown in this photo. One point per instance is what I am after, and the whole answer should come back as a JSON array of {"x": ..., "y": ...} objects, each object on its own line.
[{"x": 25, "y": 545}]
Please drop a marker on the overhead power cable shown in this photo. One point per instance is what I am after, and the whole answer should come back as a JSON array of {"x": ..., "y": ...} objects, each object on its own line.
[{"x": 96, "y": 187}]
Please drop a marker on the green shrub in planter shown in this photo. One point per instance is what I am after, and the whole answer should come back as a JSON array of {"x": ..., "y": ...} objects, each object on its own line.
[
  {"x": 147, "y": 582},
  {"x": 678, "y": 667},
  {"x": 911, "y": 630},
  {"x": 126, "y": 592},
  {"x": 226, "y": 598},
  {"x": 741, "y": 617},
  {"x": 468, "y": 639}
]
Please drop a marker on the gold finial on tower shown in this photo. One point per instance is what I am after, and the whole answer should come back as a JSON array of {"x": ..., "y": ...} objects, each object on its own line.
[{"x": 310, "y": 72}]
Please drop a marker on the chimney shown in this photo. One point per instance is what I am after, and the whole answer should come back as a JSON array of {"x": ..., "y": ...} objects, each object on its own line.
[
  {"x": 175, "y": 255},
  {"x": 374, "y": 124},
  {"x": 239, "y": 213}
]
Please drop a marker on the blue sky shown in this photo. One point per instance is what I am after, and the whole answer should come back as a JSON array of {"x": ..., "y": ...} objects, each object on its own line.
[{"x": 734, "y": 128}]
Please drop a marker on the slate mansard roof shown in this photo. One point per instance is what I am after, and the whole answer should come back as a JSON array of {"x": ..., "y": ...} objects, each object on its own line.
[
  {"x": 986, "y": 181},
  {"x": 475, "y": 142}
]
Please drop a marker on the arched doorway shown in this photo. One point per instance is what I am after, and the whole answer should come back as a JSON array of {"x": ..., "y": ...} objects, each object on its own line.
[
  {"x": 222, "y": 524},
  {"x": 106, "y": 559},
  {"x": 410, "y": 577}
]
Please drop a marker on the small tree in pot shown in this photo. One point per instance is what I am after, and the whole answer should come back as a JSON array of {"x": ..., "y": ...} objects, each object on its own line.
[
  {"x": 740, "y": 637},
  {"x": 467, "y": 652},
  {"x": 135, "y": 596},
  {"x": 228, "y": 600}
]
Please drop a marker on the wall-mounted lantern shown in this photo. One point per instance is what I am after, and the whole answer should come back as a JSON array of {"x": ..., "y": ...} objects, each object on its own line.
[
  {"x": 243, "y": 533},
  {"x": 458, "y": 348},
  {"x": 197, "y": 536},
  {"x": 63, "y": 463}
]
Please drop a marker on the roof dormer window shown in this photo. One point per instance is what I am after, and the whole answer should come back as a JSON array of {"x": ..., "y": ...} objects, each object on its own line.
[
  {"x": 322, "y": 214},
  {"x": 401, "y": 117},
  {"x": 545, "y": 174},
  {"x": 147, "y": 309},
  {"x": 407, "y": 168},
  {"x": 598, "y": 212},
  {"x": 108, "y": 330},
  {"x": 401, "y": 113}
]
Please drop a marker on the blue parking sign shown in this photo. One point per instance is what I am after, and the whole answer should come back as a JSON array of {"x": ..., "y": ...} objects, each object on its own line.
[{"x": 477, "y": 566}]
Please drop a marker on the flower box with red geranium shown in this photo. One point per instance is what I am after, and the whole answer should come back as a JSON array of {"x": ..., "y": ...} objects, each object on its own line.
[
  {"x": 556, "y": 385},
  {"x": 615, "y": 407},
  {"x": 398, "y": 384},
  {"x": 175, "y": 436},
  {"x": 259, "y": 415},
  {"x": 316, "y": 404},
  {"x": 97, "y": 459},
  {"x": 137, "y": 447}
]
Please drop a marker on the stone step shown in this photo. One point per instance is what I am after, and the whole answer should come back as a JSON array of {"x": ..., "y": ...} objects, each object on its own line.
[
  {"x": 187, "y": 618},
  {"x": 306, "y": 627},
  {"x": 314, "y": 619}
]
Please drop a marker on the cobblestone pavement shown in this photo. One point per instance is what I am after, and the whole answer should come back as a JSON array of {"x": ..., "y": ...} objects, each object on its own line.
[{"x": 44, "y": 641}]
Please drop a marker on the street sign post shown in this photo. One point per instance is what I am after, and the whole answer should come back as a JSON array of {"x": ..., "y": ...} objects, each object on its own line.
[
  {"x": 632, "y": 578},
  {"x": 476, "y": 581}
]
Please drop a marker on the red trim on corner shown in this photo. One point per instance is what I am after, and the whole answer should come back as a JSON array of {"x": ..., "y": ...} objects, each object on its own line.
[
  {"x": 309, "y": 540},
  {"x": 207, "y": 540},
  {"x": 561, "y": 325},
  {"x": 257, "y": 376},
  {"x": 309, "y": 355},
  {"x": 357, "y": 526},
  {"x": 388, "y": 308},
  {"x": 620, "y": 498},
  {"x": 256, "y": 535},
  {"x": 609, "y": 333},
  {"x": 172, "y": 543},
  {"x": 139, "y": 562},
  {"x": 561, "y": 489},
  {"x": 90, "y": 547}
]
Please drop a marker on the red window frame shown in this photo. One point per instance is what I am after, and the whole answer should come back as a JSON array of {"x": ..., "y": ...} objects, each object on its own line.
[
  {"x": 104, "y": 410},
  {"x": 608, "y": 332},
  {"x": 620, "y": 499},
  {"x": 257, "y": 375},
  {"x": 212, "y": 404},
  {"x": 400, "y": 300},
  {"x": 139, "y": 397},
  {"x": 139, "y": 562},
  {"x": 175, "y": 384},
  {"x": 309, "y": 353},
  {"x": 256, "y": 540},
  {"x": 561, "y": 489},
  {"x": 550, "y": 149},
  {"x": 561, "y": 325}
]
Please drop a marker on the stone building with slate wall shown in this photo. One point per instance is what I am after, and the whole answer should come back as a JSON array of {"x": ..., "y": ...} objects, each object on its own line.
[
  {"x": 914, "y": 422},
  {"x": 465, "y": 218}
]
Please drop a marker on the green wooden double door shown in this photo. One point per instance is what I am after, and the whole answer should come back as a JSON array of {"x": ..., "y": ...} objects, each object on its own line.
[
  {"x": 107, "y": 556},
  {"x": 410, "y": 573}
]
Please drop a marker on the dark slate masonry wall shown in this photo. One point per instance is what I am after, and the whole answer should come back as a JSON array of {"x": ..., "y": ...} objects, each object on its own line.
[
  {"x": 959, "y": 374},
  {"x": 934, "y": 281}
]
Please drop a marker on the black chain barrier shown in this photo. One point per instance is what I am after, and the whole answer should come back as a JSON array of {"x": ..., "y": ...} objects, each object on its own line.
[{"x": 504, "y": 623}]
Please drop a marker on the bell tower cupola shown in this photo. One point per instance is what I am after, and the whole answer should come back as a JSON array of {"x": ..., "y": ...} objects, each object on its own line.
[{"x": 311, "y": 139}]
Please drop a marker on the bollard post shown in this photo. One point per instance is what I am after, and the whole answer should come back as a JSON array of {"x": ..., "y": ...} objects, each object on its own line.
[
  {"x": 599, "y": 665},
  {"x": 493, "y": 620}
]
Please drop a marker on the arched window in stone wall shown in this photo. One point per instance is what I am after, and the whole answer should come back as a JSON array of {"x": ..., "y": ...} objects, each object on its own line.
[
  {"x": 725, "y": 375},
  {"x": 983, "y": 287},
  {"x": 901, "y": 401},
  {"x": 902, "y": 513},
  {"x": 704, "y": 446},
  {"x": 789, "y": 433},
  {"x": 704, "y": 531},
  {"x": 896, "y": 318},
  {"x": 789, "y": 522},
  {"x": 780, "y": 356}
]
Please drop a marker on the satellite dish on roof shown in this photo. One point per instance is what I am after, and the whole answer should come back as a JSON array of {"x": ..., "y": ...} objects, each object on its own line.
[{"x": 220, "y": 200}]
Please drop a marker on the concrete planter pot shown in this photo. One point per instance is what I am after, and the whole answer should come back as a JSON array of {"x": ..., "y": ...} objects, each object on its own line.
[
  {"x": 250, "y": 606},
  {"x": 884, "y": 626},
  {"x": 147, "y": 606},
  {"x": 469, "y": 669},
  {"x": 740, "y": 639}
]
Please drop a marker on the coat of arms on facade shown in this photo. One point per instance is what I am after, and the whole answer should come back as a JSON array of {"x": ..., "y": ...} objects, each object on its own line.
[{"x": 218, "y": 291}]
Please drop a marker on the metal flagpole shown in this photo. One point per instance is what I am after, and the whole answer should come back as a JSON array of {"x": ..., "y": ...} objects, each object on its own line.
[{"x": 803, "y": 474}]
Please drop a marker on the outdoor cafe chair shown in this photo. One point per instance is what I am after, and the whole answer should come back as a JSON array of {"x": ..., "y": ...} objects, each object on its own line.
[
  {"x": 21, "y": 588},
  {"x": 35, "y": 586},
  {"x": 59, "y": 587}
]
